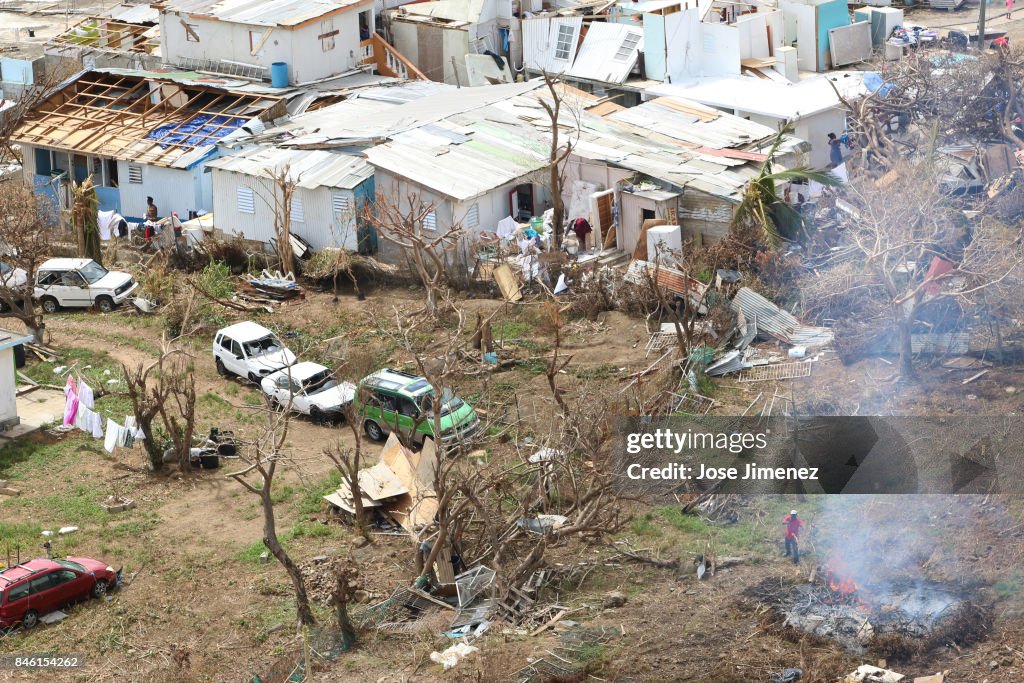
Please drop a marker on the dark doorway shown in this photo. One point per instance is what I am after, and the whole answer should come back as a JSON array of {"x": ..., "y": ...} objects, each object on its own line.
[{"x": 521, "y": 203}]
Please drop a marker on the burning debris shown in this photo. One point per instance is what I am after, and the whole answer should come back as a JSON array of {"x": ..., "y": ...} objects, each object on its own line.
[{"x": 900, "y": 620}]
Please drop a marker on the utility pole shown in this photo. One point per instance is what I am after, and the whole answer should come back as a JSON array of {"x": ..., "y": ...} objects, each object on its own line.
[{"x": 981, "y": 24}]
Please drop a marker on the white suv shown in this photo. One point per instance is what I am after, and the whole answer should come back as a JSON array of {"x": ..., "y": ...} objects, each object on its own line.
[
  {"x": 249, "y": 350},
  {"x": 80, "y": 283}
]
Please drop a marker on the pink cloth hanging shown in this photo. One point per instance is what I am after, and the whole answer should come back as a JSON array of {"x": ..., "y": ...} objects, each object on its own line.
[{"x": 71, "y": 402}]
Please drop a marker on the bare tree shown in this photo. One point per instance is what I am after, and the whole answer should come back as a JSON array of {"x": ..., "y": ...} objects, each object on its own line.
[
  {"x": 559, "y": 152},
  {"x": 348, "y": 462},
  {"x": 411, "y": 224},
  {"x": 284, "y": 185},
  {"x": 901, "y": 256},
  {"x": 164, "y": 389},
  {"x": 262, "y": 457},
  {"x": 25, "y": 240},
  {"x": 486, "y": 513}
]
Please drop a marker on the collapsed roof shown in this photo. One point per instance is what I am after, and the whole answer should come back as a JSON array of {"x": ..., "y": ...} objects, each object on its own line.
[{"x": 140, "y": 118}]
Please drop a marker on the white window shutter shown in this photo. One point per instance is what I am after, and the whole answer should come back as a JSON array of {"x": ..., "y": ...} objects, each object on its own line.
[
  {"x": 473, "y": 216},
  {"x": 135, "y": 174},
  {"x": 246, "y": 200},
  {"x": 298, "y": 215},
  {"x": 430, "y": 222},
  {"x": 340, "y": 204}
]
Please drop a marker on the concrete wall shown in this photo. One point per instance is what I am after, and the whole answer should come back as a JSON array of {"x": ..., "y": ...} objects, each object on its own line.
[
  {"x": 172, "y": 190},
  {"x": 8, "y": 390},
  {"x": 300, "y": 47},
  {"x": 319, "y": 226},
  {"x": 720, "y": 48}
]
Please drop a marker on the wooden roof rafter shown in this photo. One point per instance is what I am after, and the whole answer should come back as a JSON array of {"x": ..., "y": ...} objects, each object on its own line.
[
  {"x": 116, "y": 115},
  {"x": 108, "y": 31}
]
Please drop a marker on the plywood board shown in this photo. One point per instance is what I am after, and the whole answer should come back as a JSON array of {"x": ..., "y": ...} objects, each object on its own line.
[
  {"x": 379, "y": 482},
  {"x": 508, "y": 283}
]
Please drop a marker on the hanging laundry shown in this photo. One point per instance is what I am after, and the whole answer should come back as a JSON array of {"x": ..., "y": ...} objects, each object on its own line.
[
  {"x": 131, "y": 424},
  {"x": 96, "y": 423},
  {"x": 70, "y": 402},
  {"x": 85, "y": 394},
  {"x": 82, "y": 418},
  {"x": 113, "y": 433}
]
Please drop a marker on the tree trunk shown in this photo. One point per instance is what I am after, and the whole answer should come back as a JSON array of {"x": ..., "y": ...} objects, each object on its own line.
[
  {"x": 906, "y": 350},
  {"x": 306, "y": 617}
]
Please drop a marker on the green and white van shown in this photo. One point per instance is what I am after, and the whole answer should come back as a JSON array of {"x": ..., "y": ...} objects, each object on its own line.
[{"x": 395, "y": 401}]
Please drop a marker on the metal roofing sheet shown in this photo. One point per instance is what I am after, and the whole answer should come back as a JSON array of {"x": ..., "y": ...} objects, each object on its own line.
[
  {"x": 309, "y": 168},
  {"x": 776, "y": 322},
  {"x": 135, "y": 14},
  {"x": 286, "y": 13}
]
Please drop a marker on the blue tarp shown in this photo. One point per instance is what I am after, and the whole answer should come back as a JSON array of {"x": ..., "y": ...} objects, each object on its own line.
[
  {"x": 874, "y": 83},
  {"x": 195, "y": 132}
]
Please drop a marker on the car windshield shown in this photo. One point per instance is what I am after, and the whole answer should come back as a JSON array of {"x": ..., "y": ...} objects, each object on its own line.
[
  {"x": 449, "y": 401},
  {"x": 68, "y": 564},
  {"x": 92, "y": 272},
  {"x": 262, "y": 347},
  {"x": 320, "y": 382}
]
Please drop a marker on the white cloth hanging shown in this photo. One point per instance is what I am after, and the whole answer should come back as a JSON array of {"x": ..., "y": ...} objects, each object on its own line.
[
  {"x": 85, "y": 395},
  {"x": 113, "y": 433}
]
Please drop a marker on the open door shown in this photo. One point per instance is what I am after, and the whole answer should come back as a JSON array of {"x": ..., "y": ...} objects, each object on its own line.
[{"x": 520, "y": 202}]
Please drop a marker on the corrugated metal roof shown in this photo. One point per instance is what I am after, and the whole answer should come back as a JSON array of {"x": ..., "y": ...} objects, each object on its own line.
[
  {"x": 135, "y": 14},
  {"x": 285, "y": 13},
  {"x": 310, "y": 168},
  {"x": 694, "y": 123},
  {"x": 608, "y": 53},
  {"x": 776, "y": 322}
]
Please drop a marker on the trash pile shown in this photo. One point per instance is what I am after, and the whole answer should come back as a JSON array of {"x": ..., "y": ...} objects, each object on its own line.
[
  {"x": 757, "y": 316},
  {"x": 396, "y": 492}
]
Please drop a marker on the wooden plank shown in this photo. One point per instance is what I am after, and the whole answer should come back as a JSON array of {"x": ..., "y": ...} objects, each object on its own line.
[
  {"x": 508, "y": 283},
  {"x": 551, "y": 622}
]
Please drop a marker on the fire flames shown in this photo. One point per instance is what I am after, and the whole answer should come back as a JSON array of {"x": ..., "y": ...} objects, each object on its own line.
[{"x": 840, "y": 581}]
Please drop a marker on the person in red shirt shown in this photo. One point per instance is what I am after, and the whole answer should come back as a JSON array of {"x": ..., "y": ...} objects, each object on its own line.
[{"x": 793, "y": 525}]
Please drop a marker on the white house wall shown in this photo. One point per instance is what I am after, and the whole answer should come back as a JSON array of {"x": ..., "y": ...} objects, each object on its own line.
[
  {"x": 172, "y": 190},
  {"x": 319, "y": 226},
  {"x": 685, "y": 55},
  {"x": 720, "y": 50},
  {"x": 299, "y": 48},
  {"x": 8, "y": 393}
]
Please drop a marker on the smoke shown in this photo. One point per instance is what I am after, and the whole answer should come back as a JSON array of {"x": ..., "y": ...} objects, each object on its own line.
[{"x": 891, "y": 544}]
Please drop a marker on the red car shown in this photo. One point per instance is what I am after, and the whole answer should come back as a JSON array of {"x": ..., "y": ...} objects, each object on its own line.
[{"x": 39, "y": 586}]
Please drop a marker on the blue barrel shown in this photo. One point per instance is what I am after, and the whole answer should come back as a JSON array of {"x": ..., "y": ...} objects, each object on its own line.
[{"x": 279, "y": 74}]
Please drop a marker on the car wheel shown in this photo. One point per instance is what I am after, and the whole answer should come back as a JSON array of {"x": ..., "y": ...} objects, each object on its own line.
[
  {"x": 49, "y": 305},
  {"x": 373, "y": 430},
  {"x": 221, "y": 370},
  {"x": 30, "y": 619},
  {"x": 316, "y": 415},
  {"x": 105, "y": 304},
  {"x": 99, "y": 589}
]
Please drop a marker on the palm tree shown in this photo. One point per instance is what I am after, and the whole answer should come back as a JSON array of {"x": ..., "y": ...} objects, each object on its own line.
[{"x": 762, "y": 210}]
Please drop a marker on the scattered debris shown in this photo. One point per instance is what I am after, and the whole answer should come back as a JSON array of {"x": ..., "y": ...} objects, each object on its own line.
[
  {"x": 776, "y": 322},
  {"x": 117, "y": 504},
  {"x": 53, "y": 617},
  {"x": 866, "y": 673},
  {"x": 787, "y": 675},
  {"x": 508, "y": 283},
  {"x": 777, "y": 372},
  {"x": 452, "y": 656}
]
